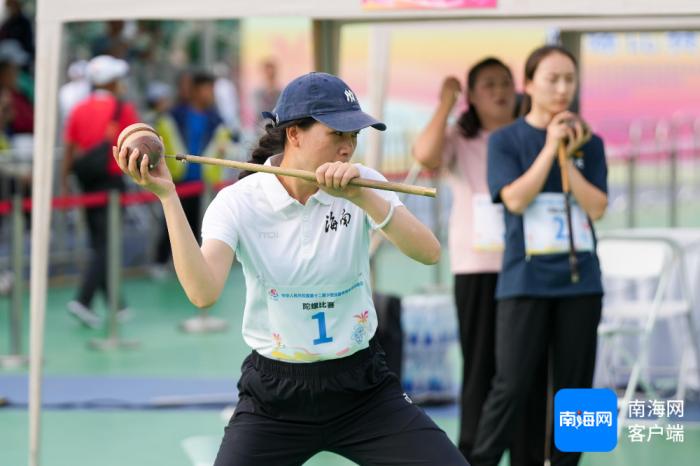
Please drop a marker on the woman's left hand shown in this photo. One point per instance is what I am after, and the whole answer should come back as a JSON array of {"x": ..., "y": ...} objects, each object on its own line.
[{"x": 333, "y": 178}]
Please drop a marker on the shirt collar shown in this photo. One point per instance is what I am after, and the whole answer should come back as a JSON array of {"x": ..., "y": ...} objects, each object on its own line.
[{"x": 278, "y": 196}]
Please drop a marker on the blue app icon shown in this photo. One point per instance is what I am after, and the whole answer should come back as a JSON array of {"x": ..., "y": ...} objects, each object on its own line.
[{"x": 585, "y": 419}]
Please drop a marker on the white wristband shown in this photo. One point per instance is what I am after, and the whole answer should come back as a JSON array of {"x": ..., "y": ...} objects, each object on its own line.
[{"x": 387, "y": 219}]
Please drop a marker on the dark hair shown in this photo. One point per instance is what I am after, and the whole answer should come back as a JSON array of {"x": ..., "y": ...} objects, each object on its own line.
[
  {"x": 200, "y": 78},
  {"x": 533, "y": 62},
  {"x": 273, "y": 141},
  {"x": 468, "y": 122}
]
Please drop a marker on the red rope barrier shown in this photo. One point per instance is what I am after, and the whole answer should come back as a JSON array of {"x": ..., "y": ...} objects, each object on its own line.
[{"x": 97, "y": 199}]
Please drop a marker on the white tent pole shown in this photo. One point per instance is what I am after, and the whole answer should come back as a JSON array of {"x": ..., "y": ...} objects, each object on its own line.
[
  {"x": 47, "y": 62},
  {"x": 379, "y": 57}
]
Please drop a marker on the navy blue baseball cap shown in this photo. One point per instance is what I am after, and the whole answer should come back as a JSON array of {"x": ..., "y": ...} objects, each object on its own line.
[{"x": 325, "y": 98}]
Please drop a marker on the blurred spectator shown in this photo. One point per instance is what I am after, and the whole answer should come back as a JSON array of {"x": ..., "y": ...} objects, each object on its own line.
[
  {"x": 265, "y": 97},
  {"x": 17, "y": 112},
  {"x": 18, "y": 27},
  {"x": 159, "y": 102},
  {"x": 148, "y": 51},
  {"x": 12, "y": 51},
  {"x": 145, "y": 44},
  {"x": 5, "y": 114},
  {"x": 196, "y": 128},
  {"x": 16, "y": 118},
  {"x": 112, "y": 42},
  {"x": 75, "y": 90},
  {"x": 91, "y": 130},
  {"x": 226, "y": 98},
  {"x": 183, "y": 84},
  {"x": 16, "y": 128}
]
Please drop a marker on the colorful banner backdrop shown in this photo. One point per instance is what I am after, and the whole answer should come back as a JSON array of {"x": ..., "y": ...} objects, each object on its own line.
[{"x": 426, "y": 4}]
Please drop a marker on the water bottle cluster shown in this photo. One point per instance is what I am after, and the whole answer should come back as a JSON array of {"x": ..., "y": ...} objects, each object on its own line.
[{"x": 431, "y": 348}]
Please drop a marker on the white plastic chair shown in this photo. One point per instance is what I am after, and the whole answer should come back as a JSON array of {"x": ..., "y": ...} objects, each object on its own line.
[{"x": 652, "y": 262}]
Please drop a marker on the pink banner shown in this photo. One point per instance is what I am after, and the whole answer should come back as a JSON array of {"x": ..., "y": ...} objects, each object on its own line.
[{"x": 426, "y": 4}]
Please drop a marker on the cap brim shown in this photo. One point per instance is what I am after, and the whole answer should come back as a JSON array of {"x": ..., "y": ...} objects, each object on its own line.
[{"x": 353, "y": 120}]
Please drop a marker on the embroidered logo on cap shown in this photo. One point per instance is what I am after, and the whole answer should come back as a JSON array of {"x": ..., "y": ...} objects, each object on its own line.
[{"x": 349, "y": 96}]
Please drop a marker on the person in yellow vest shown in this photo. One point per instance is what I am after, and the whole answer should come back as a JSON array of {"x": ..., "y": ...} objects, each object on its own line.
[{"x": 192, "y": 127}]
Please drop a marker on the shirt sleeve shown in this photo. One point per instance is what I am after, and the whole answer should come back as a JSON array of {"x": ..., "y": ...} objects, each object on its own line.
[
  {"x": 503, "y": 167},
  {"x": 595, "y": 168},
  {"x": 372, "y": 174},
  {"x": 219, "y": 220},
  {"x": 390, "y": 196}
]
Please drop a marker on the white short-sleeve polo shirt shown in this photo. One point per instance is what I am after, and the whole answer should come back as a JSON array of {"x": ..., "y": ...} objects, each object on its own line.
[{"x": 306, "y": 267}]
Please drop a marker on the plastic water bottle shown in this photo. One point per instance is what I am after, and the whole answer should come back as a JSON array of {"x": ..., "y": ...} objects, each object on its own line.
[{"x": 410, "y": 344}]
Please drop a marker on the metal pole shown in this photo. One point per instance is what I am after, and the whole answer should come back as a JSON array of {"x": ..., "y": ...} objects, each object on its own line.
[
  {"x": 379, "y": 59},
  {"x": 662, "y": 134},
  {"x": 696, "y": 154},
  {"x": 17, "y": 267},
  {"x": 15, "y": 358},
  {"x": 636, "y": 143},
  {"x": 326, "y": 45},
  {"x": 208, "y": 38},
  {"x": 114, "y": 262},
  {"x": 673, "y": 185},
  {"x": 48, "y": 32},
  {"x": 114, "y": 265}
]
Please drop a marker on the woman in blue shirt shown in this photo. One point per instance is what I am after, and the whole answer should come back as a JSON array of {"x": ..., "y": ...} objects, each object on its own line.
[{"x": 541, "y": 309}]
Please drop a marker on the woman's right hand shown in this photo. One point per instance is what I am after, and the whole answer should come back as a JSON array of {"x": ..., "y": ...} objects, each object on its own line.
[
  {"x": 558, "y": 130},
  {"x": 450, "y": 91},
  {"x": 159, "y": 181}
]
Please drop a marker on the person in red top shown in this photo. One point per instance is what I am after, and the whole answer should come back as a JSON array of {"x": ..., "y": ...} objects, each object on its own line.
[{"x": 99, "y": 118}]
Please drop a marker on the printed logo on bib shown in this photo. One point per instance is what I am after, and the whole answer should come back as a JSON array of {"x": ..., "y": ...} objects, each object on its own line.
[
  {"x": 546, "y": 228},
  {"x": 359, "y": 331},
  {"x": 325, "y": 322}
]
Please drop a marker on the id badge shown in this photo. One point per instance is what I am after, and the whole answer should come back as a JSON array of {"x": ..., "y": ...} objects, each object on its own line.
[
  {"x": 320, "y": 322},
  {"x": 487, "y": 224},
  {"x": 546, "y": 229}
]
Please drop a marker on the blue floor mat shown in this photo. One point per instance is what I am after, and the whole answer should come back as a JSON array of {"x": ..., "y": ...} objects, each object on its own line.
[{"x": 81, "y": 392}]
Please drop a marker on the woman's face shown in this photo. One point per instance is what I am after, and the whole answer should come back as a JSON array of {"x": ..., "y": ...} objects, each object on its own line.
[
  {"x": 320, "y": 144},
  {"x": 553, "y": 85},
  {"x": 493, "y": 94}
]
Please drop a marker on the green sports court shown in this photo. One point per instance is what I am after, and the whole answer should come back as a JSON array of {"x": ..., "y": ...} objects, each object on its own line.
[{"x": 169, "y": 364}]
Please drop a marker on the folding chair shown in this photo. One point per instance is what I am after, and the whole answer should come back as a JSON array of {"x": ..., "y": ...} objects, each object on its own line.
[{"x": 636, "y": 262}]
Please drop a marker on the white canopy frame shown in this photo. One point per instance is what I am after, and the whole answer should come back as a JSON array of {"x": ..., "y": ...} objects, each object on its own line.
[{"x": 328, "y": 17}]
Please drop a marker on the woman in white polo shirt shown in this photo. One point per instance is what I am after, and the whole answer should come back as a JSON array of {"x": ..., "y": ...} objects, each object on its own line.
[{"x": 315, "y": 379}]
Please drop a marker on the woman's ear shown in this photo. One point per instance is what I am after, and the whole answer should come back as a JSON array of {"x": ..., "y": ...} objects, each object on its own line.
[{"x": 293, "y": 135}]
